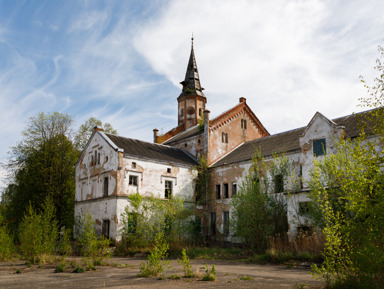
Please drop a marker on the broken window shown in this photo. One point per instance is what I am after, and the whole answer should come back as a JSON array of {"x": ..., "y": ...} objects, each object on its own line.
[
  {"x": 212, "y": 227},
  {"x": 218, "y": 192},
  {"x": 226, "y": 191},
  {"x": 279, "y": 183},
  {"x": 168, "y": 190},
  {"x": 319, "y": 147},
  {"x": 168, "y": 170},
  {"x": 105, "y": 228},
  {"x": 106, "y": 187},
  {"x": 234, "y": 189},
  {"x": 303, "y": 208},
  {"x": 226, "y": 223},
  {"x": 133, "y": 180}
]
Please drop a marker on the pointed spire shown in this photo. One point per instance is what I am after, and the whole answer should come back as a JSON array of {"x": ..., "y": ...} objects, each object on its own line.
[{"x": 191, "y": 83}]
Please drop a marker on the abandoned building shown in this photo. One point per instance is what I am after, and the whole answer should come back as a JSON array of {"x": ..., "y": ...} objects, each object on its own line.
[{"x": 113, "y": 167}]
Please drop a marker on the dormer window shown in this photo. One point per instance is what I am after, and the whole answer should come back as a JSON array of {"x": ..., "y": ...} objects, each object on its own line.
[{"x": 319, "y": 147}]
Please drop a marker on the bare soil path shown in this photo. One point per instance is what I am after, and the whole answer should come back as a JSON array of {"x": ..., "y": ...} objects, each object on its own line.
[{"x": 123, "y": 274}]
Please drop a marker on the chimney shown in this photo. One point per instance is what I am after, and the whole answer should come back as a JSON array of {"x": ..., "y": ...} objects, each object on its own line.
[
  {"x": 97, "y": 128},
  {"x": 242, "y": 99},
  {"x": 155, "y": 135}
]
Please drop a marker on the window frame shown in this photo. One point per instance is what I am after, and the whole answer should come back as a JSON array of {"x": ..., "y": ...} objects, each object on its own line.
[
  {"x": 218, "y": 191},
  {"x": 319, "y": 147},
  {"x": 105, "y": 187},
  {"x": 134, "y": 181},
  {"x": 226, "y": 190},
  {"x": 168, "y": 185}
]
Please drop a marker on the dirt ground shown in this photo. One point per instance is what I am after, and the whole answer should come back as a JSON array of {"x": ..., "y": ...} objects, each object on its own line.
[{"x": 122, "y": 273}]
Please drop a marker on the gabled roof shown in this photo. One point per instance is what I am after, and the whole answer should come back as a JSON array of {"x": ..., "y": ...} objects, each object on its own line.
[
  {"x": 190, "y": 132},
  {"x": 283, "y": 142},
  {"x": 288, "y": 141},
  {"x": 191, "y": 83},
  {"x": 151, "y": 151}
]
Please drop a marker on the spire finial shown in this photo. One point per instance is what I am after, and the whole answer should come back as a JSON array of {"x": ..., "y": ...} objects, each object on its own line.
[{"x": 192, "y": 39}]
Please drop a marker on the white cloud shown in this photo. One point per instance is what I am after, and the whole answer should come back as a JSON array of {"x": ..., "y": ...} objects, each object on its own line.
[
  {"x": 89, "y": 20},
  {"x": 288, "y": 58}
]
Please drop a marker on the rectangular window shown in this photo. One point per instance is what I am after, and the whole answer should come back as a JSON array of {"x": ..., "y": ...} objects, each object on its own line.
[
  {"x": 218, "y": 192},
  {"x": 105, "y": 228},
  {"x": 212, "y": 226},
  {"x": 226, "y": 223},
  {"x": 279, "y": 183},
  {"x": 133, "y": 180},
  {"x": 319, "y": 147},
  {"x": 95, "y": 159},
  {"x": 133, "y": 165},
  {"x": 234, "y": 189},
  {"x": 106, "y": 187},
  {"x": 168, "y": 170},
  {"x": 200, "y": 111},
  {"x": 98, "y": 158},
  {"x": 226, "y": 191},
  {"x": 224, "y": 137},
  {"x": 244, "y": 124},
  {"x": 168, "y": 190}
]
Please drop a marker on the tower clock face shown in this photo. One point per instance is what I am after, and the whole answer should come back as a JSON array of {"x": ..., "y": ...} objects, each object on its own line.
[{"x": 190, "y": 110}]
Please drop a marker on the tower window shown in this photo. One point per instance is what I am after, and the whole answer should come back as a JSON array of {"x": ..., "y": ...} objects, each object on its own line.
[
  {"x": 182, "y": 112},
  {"x": 200, "y": 111}
]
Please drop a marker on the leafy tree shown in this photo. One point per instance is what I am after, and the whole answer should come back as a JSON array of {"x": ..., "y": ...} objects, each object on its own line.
[
  {"x": 348, "y": 188},
  {"x": 85, "y": 131},
  {"x": 42, "y": 165},
  {"x": 258, "y": 210}
]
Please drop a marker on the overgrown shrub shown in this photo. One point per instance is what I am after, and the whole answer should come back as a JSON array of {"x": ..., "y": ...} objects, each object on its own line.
[
  {"x": 94, "y": 249},
  {"x": 156, "y": 260},
  {"x": 38, "y": 232},
  {"x": 7, "y": 248},
  {"x": 185, "y": 263},
  {"x": 210, "y": 274}
]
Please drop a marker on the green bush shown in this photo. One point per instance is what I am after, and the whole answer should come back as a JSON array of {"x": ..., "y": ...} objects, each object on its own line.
[
  {"x": 93, "y": 248},
  {"x": 7, "y": 248},
  {"x": 210, "y": 274},
  {"x": 156, "y": 259},
  {"x": 61, "y": 267},
  {"x": 64, "y": 244},
  {"x": 186, "y": 265}
]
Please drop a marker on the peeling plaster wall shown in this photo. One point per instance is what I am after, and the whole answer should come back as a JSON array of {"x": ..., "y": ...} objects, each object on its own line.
[
  {"x": 318, "y": 128},
  {"x": 193, "y": 145},
  {"x": 151, "y": 176}
]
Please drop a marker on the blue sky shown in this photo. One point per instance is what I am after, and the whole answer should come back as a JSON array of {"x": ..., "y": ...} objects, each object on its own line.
[{"x": 122, "y": 61}]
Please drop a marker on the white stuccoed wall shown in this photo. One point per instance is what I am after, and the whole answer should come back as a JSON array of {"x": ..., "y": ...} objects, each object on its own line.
[{"x": 151, "y": 175}]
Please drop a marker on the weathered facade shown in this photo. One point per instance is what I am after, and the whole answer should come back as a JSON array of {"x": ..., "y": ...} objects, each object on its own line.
[{"x": 112, "y": 167}]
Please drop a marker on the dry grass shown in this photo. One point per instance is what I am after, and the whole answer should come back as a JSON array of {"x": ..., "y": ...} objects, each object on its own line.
[{"x": 310, "y": 242}]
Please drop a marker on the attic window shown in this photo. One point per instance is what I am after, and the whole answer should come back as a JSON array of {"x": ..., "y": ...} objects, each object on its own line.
[
  {"x": 244, "y": 124},
  {"x": 168, "y": 170},
  {"x": 133, "y": 165},
  {"x": 319, "y": 147},
  {"x": 224, "y": 137}
]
